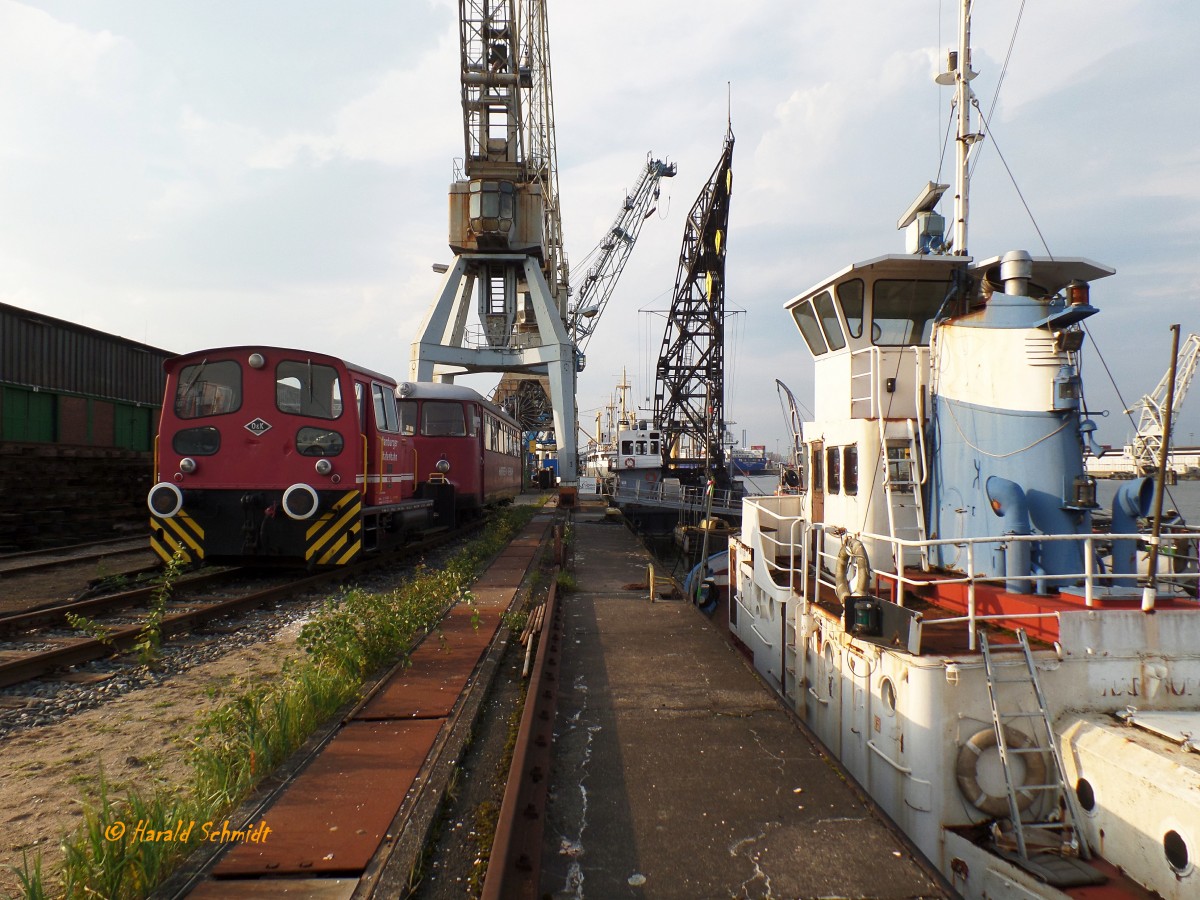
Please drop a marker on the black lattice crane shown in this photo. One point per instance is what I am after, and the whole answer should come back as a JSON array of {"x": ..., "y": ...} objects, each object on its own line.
[{"x": 689, "y": 392}]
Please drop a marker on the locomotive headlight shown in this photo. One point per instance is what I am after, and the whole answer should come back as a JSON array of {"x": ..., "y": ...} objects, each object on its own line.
[
  {"x": 187, "y": 465},
  {"x": 443, "y": 466},
  {"x": 257, "y": 361},
  {"x": 324, "y": 467},
  {"x": 300, "y": 502},
  {"x": 164, "y": 500},
  {"x": 406, "y": 388}
]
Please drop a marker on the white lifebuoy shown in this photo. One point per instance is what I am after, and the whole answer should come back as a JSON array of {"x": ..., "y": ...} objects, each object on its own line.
[
  {"x": 967, "y": 770},
  {"x": 852, "y": 550},
  {"x": 629, "y": 462}
]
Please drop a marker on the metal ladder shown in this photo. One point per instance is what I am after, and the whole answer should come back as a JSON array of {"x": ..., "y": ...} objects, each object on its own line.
[
  {"x": 1001, "y": 657},
  {"x": 909, "y": 487}
]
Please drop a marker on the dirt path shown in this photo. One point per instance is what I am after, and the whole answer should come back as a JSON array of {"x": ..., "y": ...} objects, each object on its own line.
[{"x": 139, "y": 739}]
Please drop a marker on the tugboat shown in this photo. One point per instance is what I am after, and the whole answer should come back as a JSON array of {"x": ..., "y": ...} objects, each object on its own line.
[{"x": 1018, "y": 690}]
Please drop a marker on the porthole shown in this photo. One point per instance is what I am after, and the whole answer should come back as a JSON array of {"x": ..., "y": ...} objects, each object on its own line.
[
  {"x": 1086, "y": 794},
  {"x": 1177, "y": 851},
  {"x": 887, "y": 690}
]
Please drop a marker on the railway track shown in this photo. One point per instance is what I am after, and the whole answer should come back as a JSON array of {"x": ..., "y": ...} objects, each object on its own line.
[
  {"x": 94, "y": 551},
  {"x": 41, "y": 643},
  {"x": 361, "y": 801}
]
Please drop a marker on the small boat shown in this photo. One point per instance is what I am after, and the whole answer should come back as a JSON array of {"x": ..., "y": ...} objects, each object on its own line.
[{"x": 933, "y": 597}]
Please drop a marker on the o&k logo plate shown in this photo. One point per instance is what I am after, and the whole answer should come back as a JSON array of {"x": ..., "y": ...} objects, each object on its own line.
[{"x": 258, "y": 426}]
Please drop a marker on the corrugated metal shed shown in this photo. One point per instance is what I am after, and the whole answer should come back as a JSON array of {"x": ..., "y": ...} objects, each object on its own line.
[{"x": 39, "y": 351}]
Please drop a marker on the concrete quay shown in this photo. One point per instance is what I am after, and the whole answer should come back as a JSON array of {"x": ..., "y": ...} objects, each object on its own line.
[{"x": 677, "y": 774}]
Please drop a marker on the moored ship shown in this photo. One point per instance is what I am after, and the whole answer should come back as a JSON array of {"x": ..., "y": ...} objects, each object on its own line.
[{"x": 1018, "y": 690}]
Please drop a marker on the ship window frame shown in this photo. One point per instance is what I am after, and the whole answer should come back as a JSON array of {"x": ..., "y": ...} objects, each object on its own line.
[
  {"x": 833, "y": 470},
  {"x": 847, "y": 302},
  {"x": 889, "y": 293},
  {"x": 812, "y": 321},
  {"x": 850, "y": 469},
  {"x": 818, "y": 467},
  {"x": 827, "y": 315}
]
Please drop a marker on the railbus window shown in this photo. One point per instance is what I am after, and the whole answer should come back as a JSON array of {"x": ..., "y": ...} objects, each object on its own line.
[
  {"x": 406, "y": 412},
  {"x": 208, "y": 389},
  {"x": 308, "y": 389},
  {"x": 443, "y": 418}
]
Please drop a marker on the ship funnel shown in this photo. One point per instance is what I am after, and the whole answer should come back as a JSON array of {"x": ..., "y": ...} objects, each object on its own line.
[
  {"x": 1007, "y": 499},
  {"x": 1131, "y": 502}
]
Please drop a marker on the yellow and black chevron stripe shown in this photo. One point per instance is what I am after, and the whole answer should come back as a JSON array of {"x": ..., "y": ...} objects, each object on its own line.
[
  {"x": 179, "y": 534},
  {"x": 336, "y": 537}
]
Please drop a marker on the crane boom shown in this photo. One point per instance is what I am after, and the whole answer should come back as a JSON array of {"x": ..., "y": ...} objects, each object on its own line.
[
  {"x": 594, "y": 289},
  {"x": 1147, "y": 442}
]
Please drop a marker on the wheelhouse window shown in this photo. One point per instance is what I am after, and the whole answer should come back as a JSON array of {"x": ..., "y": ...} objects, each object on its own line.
[
  {"x": 806, "y": 321},
  {"x": 833, "y": 470},
  {"x": 208, "y": 389},
  {"x": 443, "y": 418},
  {"x": 829, "y": 320},
  {"x": 308, "y": 389},
  {"x": 818, "y": 469},
  {"x": 850, "y": 468},
  {"x": 850, "y": 295},
  {"x": 902, "y": 312}
]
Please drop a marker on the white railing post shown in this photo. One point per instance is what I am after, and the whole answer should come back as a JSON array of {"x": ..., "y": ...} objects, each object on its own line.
[
  {"x": 971, "y": 596},
  {"x": 1089, "y": 597}
]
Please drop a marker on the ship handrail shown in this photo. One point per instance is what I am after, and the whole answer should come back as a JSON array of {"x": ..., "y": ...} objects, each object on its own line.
[
  {"x": 903, "y": 770},
  {"x": 1092, "y": 580}
]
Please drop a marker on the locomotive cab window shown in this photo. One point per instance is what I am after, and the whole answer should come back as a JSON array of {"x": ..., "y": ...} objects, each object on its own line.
[
  {"x": 441, "y": 418},
  {"x": 385, "y": 408},
  {"x": 308, "y": 389},
  {"x": 203, "y": 441},
  {"x": 208, "y": 389},
  {"x": 318, "y": 442}
]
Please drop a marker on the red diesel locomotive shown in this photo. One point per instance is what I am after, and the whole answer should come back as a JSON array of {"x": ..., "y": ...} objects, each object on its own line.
[{"x": 273, "y": 455}]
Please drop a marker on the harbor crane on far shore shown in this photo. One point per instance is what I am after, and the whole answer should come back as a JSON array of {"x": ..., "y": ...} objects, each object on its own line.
[{"x": 1146, "y": 445}]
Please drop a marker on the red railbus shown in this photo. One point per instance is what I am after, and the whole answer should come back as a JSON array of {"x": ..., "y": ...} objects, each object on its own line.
[{"x": 464, "y": 440}]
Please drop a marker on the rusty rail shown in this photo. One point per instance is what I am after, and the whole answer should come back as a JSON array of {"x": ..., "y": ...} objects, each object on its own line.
[{"x": 515, "y": 866}]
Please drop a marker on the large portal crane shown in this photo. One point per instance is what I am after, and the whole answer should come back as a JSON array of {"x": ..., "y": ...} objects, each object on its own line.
[
  {"x": 689, "y": 389},
  {"x": 505, "y": 227},
  {"x": 1146, "y": 445},
  {"x": 591, "y": 293}
]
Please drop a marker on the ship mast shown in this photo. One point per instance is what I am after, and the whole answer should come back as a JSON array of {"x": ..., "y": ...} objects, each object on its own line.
[{"x": 959, "y": 73}]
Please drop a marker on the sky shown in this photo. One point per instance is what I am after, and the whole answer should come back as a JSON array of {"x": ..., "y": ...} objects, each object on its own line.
[{"x": 202, "y": 174}]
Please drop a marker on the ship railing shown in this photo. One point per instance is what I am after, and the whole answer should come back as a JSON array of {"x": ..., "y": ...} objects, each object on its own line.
[
  {"x": 1095, "y": 583},
  {"x": 783, "y": 537},
  {"x": 679, "y": 496}
]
